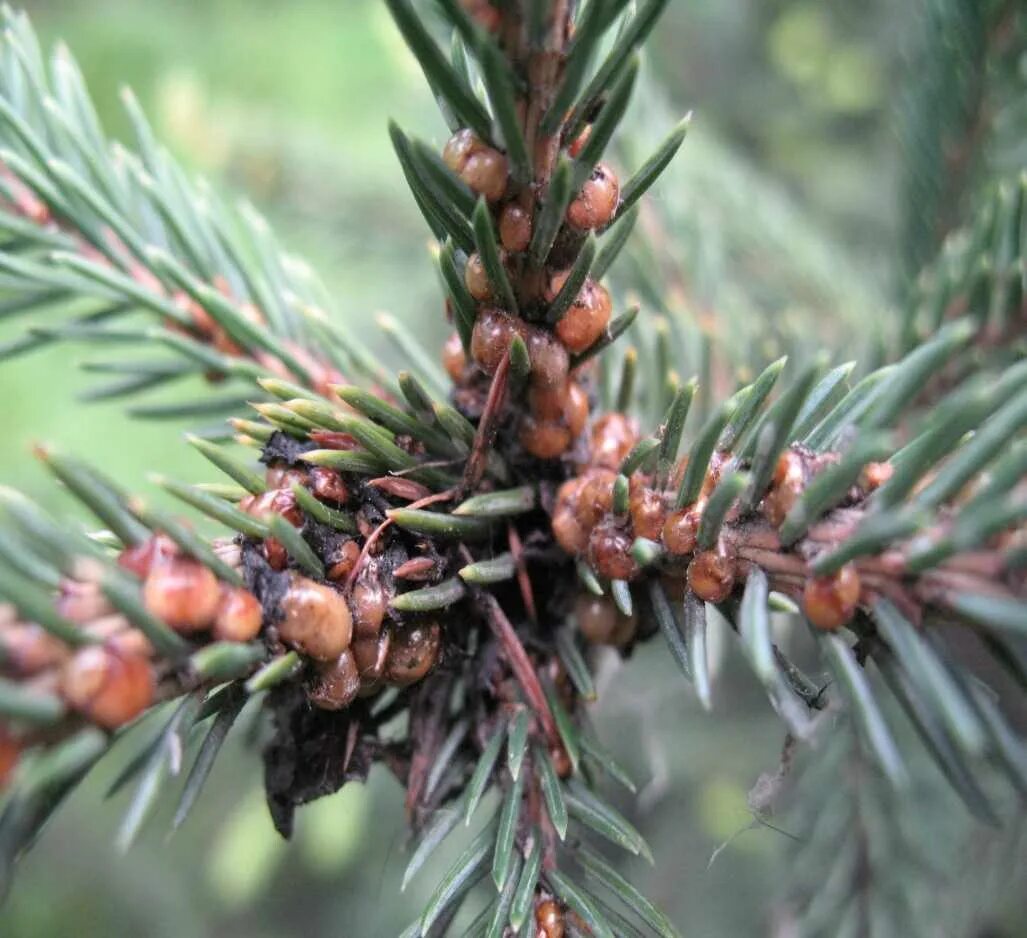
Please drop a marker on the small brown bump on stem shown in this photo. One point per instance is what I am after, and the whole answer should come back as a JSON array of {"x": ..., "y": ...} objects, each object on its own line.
[
  {"x": 371, "y": 655},
  {"x": 681, "y": 530},
  {"x": 874, "y": 475},
  {"x": 586, "y": 318},
  {"x": 343, "y": 561},
  {"x": 609, "y": 551},
  {"x": 82, "y": 602},
  {"x": 484, "y": 14},
  {"x": 550, "y": 362},
  {"x": 279, "y": 501},
  {"x": 336, "y": 684},
  {"x": 315, "y": 619},
  {"x": 569, "y": 532},
  {"x": 544, "y": 439},
  {"x": 476, "y": 279},
  {"x": 595, "y": 498},
  {"x": 594, "y": 206},
  {"x": 368, "y": 604},
  {"x": 239, "y": 616},
  {"x": 328, "y": 485},
  {"x": 482, "y": 167},
  {"x": 602, "y": 623},
  {"x": 183, "y": 593},
  {"x": 27, "y": 649},
  {"x": 108, "y": 688},
  {"x": 831, "y": 601},
  {"x": 549, "y": 920},
  {"x": 613, "y": 436},
  {"x": 647, "y": 509},
  {"x": 454, "y": 359},
  {"x": 414, "y": 651},
  {"x": 575, "y": 410},
  {"x": 514, "y": 228},
  {"x": 785, "y": 487},
  {"x": 493, "y": 332},
  {"x": 711, "y": 575},
  {"x": 139, "y": 558},
  {"x": 282, "y": 477}
]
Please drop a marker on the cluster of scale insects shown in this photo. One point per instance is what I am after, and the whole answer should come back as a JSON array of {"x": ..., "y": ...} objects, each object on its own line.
[{"x": 339, "y": 583}]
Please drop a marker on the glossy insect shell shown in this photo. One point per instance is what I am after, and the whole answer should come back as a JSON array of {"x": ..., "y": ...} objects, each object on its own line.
[
  {"x": 831, "y": 601},
  {"x": 336, "y": 684},
  {"x": 315, "y": 619},
  {"x": 239, "y": 615},
  {"x": 108, "y": 688},
  {"x": 183, "y": 593}
]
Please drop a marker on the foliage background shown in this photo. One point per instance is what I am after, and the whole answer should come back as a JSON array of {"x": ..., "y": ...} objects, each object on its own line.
[{"x": 285, "y": 102}]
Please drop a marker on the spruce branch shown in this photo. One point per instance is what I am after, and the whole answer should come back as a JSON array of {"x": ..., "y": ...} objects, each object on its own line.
[{"x": 410, "y": 548}]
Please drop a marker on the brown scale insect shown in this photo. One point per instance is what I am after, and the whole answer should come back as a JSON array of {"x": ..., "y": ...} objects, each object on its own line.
[
  {"x": 275, "y": 501},
  {"x": 371, "y": 655},
  {"x": 576, "y": 409},
  {"x": 613, "y": 436},
  {"x": 328, "y": 485},
  {"x": 681, "y": 529},
  {"x": 239, "y": 615},
  {"x": 454, "y": 359},
  {"x": 476, "y": 280},
  {"x": 586, "y": 318},
  {"x": 82, "y": 602},
  {"x": 561, "y": 761},
  {"x": 343, "y": 561},
  {"x": 29, "y": 649},
  {"x": 514, "y": 228},
  {"x": 831, "y": 601},
  {"x": 316, "y": 620},
  {"x": 568, "y": 403},
  {"x": 785, "y": 488},
  {"x": 550, "y": 362},
  {"x": 413, "y": 652},
  {"x": 138, "y": 558},
  {"x": 874, "y": 475},
  {"x": 283, "y": 477},
  {"x": 596, "y": 204},
  {"x": 549, "y": 919},
  {"x": 711, "y": 575},
  {"x": 129, "y": 642},
  {"x": 602, "y": 623},
  {"x": 109, "y": 688},
  {"x": 183, "y": 593},
  {"x": 580, "y": 503},
  {"x": 335, "y": 684},
  {"x": 646, "y": 507},
  {"x": 493, "y": 332},
  {"x": 569, "y": 532},
  {"x": 595, "y": 499},
  {"x": 544, "y": 439},
  {"x": 484, "y": 169},
  {"x": 263, "y": 507},
  {"x": 368, "y": 603},
  {"x": 609, "y": 551}
]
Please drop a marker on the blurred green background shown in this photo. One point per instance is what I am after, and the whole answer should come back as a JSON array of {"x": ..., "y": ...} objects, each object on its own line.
[{"x": 285, "y": 102}]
